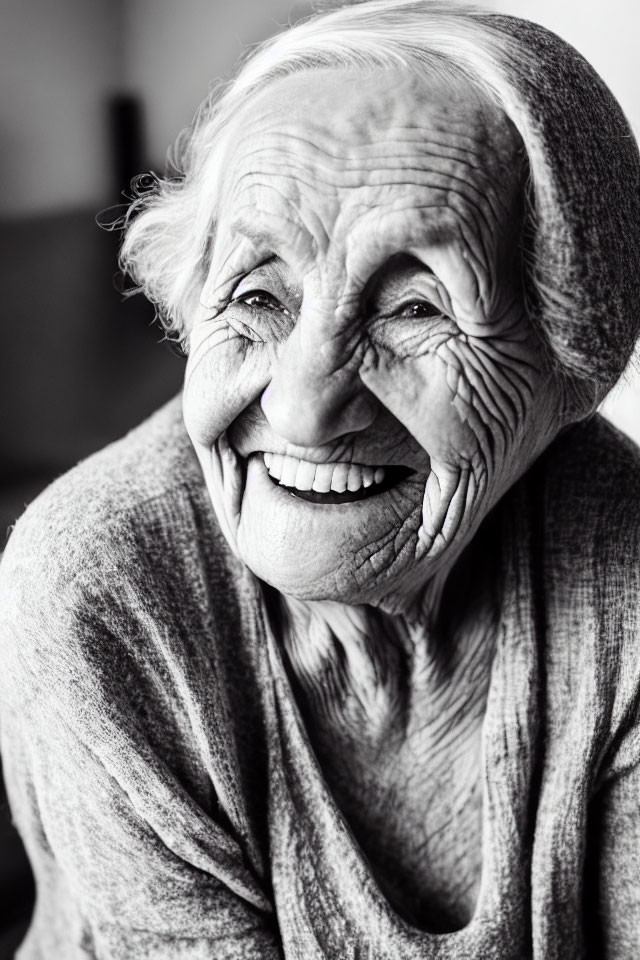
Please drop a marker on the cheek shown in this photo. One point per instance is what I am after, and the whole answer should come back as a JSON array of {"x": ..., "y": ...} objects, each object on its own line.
[
  {"x": 422, "y": 393},
  {"x": 225, "y": 372},
  {"x": 443, "y": 420}
]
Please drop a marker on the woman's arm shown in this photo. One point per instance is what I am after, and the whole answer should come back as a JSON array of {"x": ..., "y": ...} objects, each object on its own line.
[
  {"x": 109, "y": 885},
  {"x": 119, "y": 764}
]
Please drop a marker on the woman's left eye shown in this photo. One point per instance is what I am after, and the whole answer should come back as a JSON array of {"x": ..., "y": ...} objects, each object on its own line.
[
  {"x": 261, "y": 300},
  {"x": 417, "y": 309}
]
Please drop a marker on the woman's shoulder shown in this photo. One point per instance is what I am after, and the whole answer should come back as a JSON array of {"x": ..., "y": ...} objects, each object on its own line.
[
  {"x": 120, "y": 606},
  {"x": 118, "y": 552},
  {"x": 587, "y": 494},
  {"x": 131, "y": 483},
  {"x": 591, "y": 482},
  {"x": 588, "y": 537}
]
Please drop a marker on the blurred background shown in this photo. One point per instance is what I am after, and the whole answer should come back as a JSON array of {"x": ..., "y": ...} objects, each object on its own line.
[{"x": 94, "y": 92}]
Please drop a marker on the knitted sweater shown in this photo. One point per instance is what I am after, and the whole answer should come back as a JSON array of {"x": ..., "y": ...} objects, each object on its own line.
[{"x": 161, "y": 777}]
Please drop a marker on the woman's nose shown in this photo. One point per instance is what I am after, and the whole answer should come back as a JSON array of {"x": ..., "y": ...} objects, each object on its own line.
[{"x": 309, "y": 401}]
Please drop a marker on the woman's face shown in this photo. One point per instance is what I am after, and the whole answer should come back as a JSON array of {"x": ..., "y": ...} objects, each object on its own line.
[{"x": 362, "y": 338}]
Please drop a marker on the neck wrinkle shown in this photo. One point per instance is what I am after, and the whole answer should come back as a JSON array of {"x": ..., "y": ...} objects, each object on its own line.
[
  {"x": 349, "y": 666},
  {"x": 372, "y": 679}
]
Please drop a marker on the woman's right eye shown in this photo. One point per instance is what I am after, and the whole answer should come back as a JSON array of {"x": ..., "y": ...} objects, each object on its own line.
[{"x": 261, "y": 300}]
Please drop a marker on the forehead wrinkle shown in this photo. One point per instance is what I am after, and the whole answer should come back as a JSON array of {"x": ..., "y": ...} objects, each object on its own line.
[
  {"x": 376, "y": 156},
  {"x": 414, "y": 135},
  {"x": 313, "y": 107},
  {"x": 439, "y": 116},
  {"x": 397, "y": 96},
  {"x": 475, "y": 194},
  {"x": 476, "y": 209},
  {"x": 293, "y": 223},
  {"x": 468, "y": 180}
]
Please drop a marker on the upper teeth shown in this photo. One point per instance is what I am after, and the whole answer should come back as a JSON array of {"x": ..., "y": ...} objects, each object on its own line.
[{"x": 321, "y": 477}]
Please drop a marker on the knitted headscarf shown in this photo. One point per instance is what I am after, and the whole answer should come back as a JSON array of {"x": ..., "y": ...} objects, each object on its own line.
[{"x": 583, "y": 254}]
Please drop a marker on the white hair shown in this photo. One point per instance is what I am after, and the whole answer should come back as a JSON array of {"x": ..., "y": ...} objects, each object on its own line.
[{"x": 170, "y": 227}]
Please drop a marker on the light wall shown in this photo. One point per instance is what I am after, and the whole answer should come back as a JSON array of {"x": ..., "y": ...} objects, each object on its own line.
[{"x": 59, "y": 60}]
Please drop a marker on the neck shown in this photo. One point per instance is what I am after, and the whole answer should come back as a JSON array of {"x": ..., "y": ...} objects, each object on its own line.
[
  {"x": 369, "y": 677},
  {"x": 349, "y": 664}
]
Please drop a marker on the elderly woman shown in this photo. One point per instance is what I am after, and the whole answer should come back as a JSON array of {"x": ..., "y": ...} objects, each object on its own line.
[{"x": 349, "y": 668}]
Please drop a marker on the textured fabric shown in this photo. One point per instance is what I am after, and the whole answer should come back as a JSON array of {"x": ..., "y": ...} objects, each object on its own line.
[
  {"x": 585, "y": 178},
  {"x": 161, "y": 777}
]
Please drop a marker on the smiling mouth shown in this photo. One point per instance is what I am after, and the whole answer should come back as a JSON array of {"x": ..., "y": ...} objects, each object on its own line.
[{"x": 337, "y": 482}]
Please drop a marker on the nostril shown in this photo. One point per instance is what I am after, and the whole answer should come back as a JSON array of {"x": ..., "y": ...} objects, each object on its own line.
[
  {"x": 315, "y": 419},
  {"x": 359, "y": 412}
]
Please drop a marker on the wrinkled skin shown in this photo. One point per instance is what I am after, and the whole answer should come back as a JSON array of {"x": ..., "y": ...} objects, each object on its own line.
[
  {"x": 385, "y": 327},
  {"x": 364, "y": 305}
]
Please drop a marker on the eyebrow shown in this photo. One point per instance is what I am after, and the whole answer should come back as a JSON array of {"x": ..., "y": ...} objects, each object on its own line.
[
  {"x": 247, "y": 230},
  {"x": 250, "y": 258},
  {"x": 236, "y": 278},
  {"x": 263, "y": 263},
  {"x": 259, "y": 235}
]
